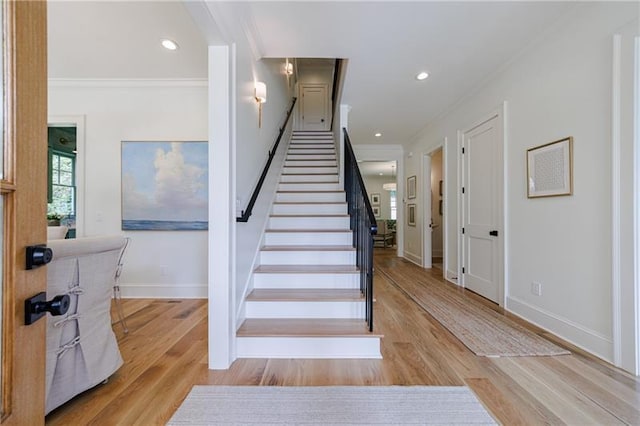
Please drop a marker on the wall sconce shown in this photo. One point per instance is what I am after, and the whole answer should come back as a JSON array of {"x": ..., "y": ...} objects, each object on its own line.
[
  {"x": 288, "y": 68},
  {"x": 261, "y": 98}
]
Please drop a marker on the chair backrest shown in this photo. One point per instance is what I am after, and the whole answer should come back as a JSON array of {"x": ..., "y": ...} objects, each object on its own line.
[
  {"x": 382, "y": 227},
  {"x": 56, "y": 232}
]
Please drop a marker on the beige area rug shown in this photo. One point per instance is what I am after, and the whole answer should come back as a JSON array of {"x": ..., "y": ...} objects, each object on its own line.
[
  {"x": 331, "y": 405},
  {"x": 482, "y": 330}
]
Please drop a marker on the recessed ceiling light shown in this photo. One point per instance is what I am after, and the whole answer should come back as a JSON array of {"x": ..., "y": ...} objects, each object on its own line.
[
  {"x": 169, "y": 44},
  {"x": 381, "y": 174},
  {"x": 422, "y": 76},
  {"x": 377, "y": 135}
]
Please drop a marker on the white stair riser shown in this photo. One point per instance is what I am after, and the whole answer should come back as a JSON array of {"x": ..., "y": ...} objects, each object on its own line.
[
  {"x": 312, "y": 222},
  {"x": 331, "y": 197},
  {"x": 291, "y": 309},
  {"x": 309, "y": 347},
  {"x": 304, "y": 163},
  {"x": 309, "y": 209},
  {"x": 311, "y": 170},
  {"x": 308, "y": 186},
  {"x": 305, "y": 150},
  {"x": 309, "y": 145},
  {"x": 312, "y": 280},
  {"x": 311, "y": 157},
  {"x": 307, "y": 257},
  {"x": 308, "y": 238},
  {"x": 309, "y": 178}
]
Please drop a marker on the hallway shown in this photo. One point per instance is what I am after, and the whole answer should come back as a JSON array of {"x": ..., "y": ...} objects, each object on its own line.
[{"x": 165, "y": 354}]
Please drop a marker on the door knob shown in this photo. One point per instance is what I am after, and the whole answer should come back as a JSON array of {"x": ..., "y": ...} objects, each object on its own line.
[
  {"x": 38, "y": 255},
  {"x": 35, "y": 307}
]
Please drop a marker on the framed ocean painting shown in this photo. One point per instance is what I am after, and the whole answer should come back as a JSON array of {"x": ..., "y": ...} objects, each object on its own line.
[{"x": 164, "y": 186}]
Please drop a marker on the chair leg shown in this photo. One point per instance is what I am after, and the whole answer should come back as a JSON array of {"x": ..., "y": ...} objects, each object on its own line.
[{"x": 118, "y": 302}]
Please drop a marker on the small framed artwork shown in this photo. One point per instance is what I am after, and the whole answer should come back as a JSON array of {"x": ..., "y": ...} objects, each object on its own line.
[
  {"x": 411, "y": 187},
  {"x": 550, "y": 169},
  {"x": 440, "y": 206},
  {"x": 375, "y": 199},
  {"x": 440, "y": 185},
  {"x": 411, "y": 214},
  {"x": 376, "y": 211}
]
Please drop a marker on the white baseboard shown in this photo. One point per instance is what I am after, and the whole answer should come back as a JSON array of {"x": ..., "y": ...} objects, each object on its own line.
[
  {"x": 414, "y": 258},
  {"x": 584, "y": 338},
  {"x": 156, "y": 291}
]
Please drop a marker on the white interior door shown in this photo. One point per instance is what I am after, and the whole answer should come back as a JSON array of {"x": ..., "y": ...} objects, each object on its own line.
[
  {"x": 314, "y": 109},
  {"x": 426, "y": 217},
  {"x": 482, "y": 203}
]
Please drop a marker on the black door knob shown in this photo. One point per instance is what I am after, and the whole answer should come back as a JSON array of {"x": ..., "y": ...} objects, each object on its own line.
[
  {"x": 35, "y": 307},
  {"x": 38, "y": 255}
]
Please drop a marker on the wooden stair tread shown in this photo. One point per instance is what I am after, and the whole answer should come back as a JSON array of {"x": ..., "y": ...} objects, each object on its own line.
[
  {"x": 309, "y": 215},
  {"x": 312, "y": 192},
  {"x": 307, "y": 269},
  {"x": 297, "y": 327},
  {"x": 305, "y": 295},
  {"x": 312, "y": 183},
  {"x": 319, "y": 231},
  {"x": 308, "y": 248}
]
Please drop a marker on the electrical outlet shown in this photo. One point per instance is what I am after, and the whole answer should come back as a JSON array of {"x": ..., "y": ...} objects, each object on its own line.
[{"x": 536, "y": 288}]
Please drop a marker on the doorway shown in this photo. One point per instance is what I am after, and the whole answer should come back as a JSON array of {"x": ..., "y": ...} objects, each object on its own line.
[
  {"x": 65, "y": 189},
  {"x": 433, "y": 219}
]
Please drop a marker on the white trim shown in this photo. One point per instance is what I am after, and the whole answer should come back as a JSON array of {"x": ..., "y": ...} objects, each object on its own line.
[
  {"x": 636, "y": 200},
  {"x": 427, "y": 243},
  {"x": 156, "y": 291},
  {"x": 445, "y": 206},
  {"x": 615, "y": 201},
  {"x": 585, "y": 338},
  {"x": 413, "y": 258},
  {"x": 221, "y": 292},
  {"x": 504, "y": 251},
  {"x": 78, "y": 121},
  {"x": 459, "y": 145},
  {"x": 128, "y": 82}
]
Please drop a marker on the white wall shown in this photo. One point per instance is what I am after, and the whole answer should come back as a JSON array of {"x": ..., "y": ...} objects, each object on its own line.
[
  {"x": 157, "y": 264},
  {"x": 559, "y": 86}
]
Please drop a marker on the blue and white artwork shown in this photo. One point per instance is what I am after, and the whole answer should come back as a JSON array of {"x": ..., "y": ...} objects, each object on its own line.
[{"x": 164, "y": 186}]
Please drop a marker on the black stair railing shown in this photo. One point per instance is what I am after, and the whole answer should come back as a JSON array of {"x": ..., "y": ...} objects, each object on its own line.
[
  {"x": 247, "y": 212},
  {"x": 363, "y": 225}
]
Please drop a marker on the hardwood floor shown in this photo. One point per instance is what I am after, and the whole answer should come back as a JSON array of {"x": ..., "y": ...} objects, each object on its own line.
[{"x": 166, "y": 353}]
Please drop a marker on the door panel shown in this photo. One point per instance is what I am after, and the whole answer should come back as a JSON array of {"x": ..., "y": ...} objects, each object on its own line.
[
  {"x": 24, "y": 193},
  {"x": 314, "y": 108},
  {"x": 482, "y": 164}
]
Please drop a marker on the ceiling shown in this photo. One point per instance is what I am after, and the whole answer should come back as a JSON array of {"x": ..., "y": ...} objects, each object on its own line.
[{"x": 460, "y": 44}]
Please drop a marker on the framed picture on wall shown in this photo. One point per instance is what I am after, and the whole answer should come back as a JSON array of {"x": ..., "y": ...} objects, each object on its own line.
[
  {"x": 550, "y": 169},
  {"x": 411, "y": 214},
  {"x": 375, "y": 199},
  {"x": 376, "y": 211},
  {"x": 411, "y": 187}
]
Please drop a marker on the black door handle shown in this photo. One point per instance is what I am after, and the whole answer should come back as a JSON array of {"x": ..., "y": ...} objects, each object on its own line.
[
  {"x": 493, "y": 233},
  {"x": 35, "y": 307},
  {"x": 38, "y": 255}
]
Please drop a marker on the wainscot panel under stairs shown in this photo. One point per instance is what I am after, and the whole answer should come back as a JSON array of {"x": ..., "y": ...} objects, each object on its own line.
[{"x": 306, "y": 300}]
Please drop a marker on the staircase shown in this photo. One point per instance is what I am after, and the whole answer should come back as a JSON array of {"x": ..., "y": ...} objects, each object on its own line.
[{"x": 306, "y": 300}]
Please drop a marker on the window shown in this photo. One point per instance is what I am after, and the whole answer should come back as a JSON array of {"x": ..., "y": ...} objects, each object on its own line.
[
  {"x": 62, "y": 189},
  {"x": 392, "y": 203}
]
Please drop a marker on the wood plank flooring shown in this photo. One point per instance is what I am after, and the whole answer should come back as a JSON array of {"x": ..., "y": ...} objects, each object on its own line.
[{"x": 166, "y": 353}]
